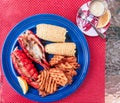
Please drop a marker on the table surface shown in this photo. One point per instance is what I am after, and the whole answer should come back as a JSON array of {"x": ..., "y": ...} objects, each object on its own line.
[
  {"x": 13, "y": 11},
  {"x": 112, "y": 91}
]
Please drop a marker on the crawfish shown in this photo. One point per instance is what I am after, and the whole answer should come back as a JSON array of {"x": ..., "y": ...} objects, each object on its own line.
[
  {"x": 24, "y": 66},
  {"x": 33, "y": 48}
]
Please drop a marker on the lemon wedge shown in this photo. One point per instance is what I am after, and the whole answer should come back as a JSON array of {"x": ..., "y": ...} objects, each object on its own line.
[
  {"x": 23, "y": 84},
  {"x": 104, "y": 19}
]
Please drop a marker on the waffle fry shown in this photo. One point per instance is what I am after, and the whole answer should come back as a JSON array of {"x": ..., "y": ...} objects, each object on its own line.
[
  {"x": 69, "y": 79},
  {"x": 56, "y": 59},
  {"x": 71, "y": 72},
  {"x": 70, "y": 59},
  {"x": 66, "y": 49},
  {"x": 51, "y": 32},
  {"x": 65, "y": 60},
  {"x": 59, "y": 77},
  {"x": 68, "y": 65},
  {"x": 42, "y": 93},
  {"x": 42, "y": 80},
  {"x": 47, "y": 85},
  {"x": 64, "y": 65}
]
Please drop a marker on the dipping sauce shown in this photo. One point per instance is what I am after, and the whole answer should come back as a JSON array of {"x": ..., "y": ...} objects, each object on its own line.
[{"x": 98, "y": 7}]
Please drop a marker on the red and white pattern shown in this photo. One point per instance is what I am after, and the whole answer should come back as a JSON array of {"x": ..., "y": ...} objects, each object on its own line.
[{"x": 86, "y": 27}]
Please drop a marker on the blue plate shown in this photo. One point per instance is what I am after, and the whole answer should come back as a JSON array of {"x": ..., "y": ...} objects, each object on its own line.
[{"x": 73, "y": 35}]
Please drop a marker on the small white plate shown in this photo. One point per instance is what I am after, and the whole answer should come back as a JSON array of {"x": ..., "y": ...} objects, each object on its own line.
[{"x": 84, "y": 26}]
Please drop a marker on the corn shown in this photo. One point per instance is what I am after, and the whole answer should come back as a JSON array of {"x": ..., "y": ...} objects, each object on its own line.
[
  {"x": 66, "y": 49},
  {"x": 51, "y": 32}
]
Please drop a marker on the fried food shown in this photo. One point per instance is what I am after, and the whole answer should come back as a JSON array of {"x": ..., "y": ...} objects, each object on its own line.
[
  {"x": 47, "y": 85},
  {"x": 58, "y": 76},
  {"x": 49, "y": 80},
  {"x": 67, "y": 64},
  {"x": 62, "y": 71},
  {"x": 55, "y": 60}
]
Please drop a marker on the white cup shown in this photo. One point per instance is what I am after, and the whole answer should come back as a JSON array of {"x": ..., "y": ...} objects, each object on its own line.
[{"x": 98, "y": 7}]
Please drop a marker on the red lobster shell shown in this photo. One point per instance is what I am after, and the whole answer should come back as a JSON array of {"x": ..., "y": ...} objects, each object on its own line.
[
  {"x": 25, "y": 67},
  {"x": 33, "y": 48}
]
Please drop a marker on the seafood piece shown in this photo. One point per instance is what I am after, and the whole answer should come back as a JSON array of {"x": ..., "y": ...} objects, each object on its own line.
[
  {"x": 33, "y": 48},
  {"x": 24, "y": 66}
]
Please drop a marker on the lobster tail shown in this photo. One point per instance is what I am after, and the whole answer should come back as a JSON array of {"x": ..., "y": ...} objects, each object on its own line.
[
  {"x": 33, "y": 48},
  {"x": 24, "y": 66}
]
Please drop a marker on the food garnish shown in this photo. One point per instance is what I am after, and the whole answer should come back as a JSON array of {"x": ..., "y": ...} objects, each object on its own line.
[
  {"x": 104, "y": 19},
  {"x": 23, "y": 84}
]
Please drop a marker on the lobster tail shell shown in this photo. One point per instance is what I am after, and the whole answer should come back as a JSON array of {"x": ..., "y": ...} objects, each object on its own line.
[
  {"x": 24, "y": 66},
  {"x": 33, "y": 48}
]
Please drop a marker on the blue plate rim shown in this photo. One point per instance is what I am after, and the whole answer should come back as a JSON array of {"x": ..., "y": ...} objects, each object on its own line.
[{"x": 86, "y": 52}]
